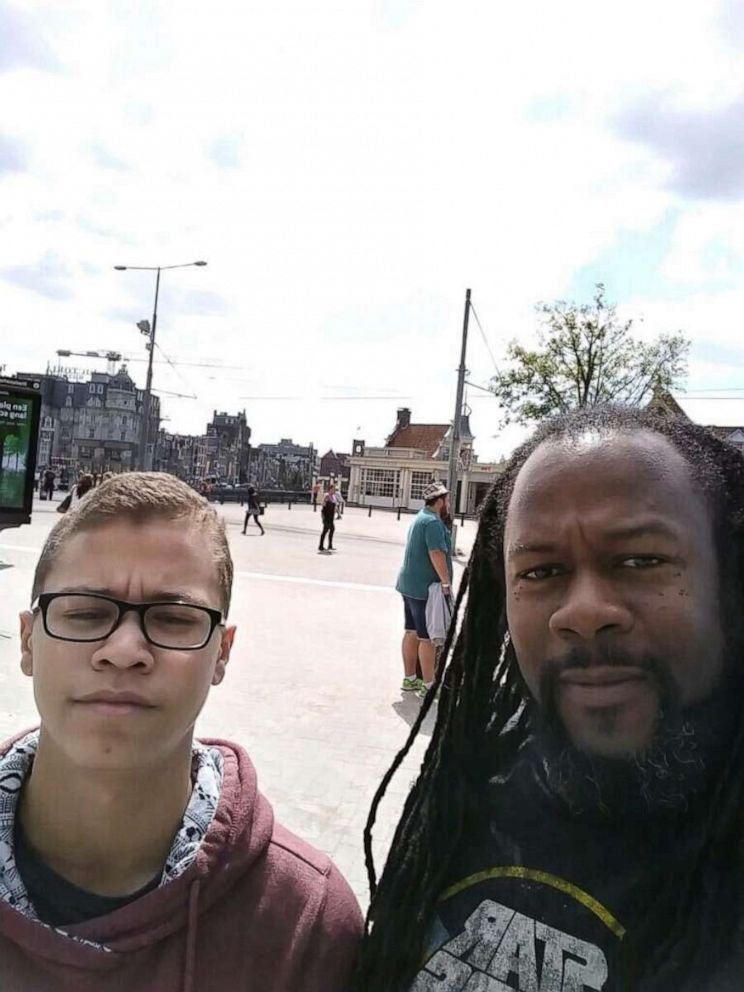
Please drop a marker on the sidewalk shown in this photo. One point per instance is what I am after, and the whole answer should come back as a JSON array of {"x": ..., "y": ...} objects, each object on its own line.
[{"x": 382, "y": 526}]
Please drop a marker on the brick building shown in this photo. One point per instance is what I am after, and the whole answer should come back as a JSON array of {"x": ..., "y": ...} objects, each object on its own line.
[{"x": 335, "y": 467}]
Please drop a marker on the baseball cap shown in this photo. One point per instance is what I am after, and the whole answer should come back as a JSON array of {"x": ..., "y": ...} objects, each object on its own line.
[{"x": 433, "y": 490}]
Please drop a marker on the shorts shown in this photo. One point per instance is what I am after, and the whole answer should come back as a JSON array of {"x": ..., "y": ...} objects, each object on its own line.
[{"x": 415, "y": 614}]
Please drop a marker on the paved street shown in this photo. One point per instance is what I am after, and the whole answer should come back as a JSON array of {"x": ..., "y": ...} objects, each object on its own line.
[{"x": 312, "y": 690}]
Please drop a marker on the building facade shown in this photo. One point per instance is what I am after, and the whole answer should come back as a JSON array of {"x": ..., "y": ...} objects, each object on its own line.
[
  {"x": 177, "y": 454},
  {"x": 414, "y": 456},
  {"x": 226, "y": 450},
  {"x": 92, "y": 424},
  {"x": 335, "y": 467},
  {"x": 222, "y": 453},
  {"x": 285, "y": 465}
]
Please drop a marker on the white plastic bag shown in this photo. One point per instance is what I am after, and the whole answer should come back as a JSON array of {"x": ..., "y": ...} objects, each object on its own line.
[{"x": 439, "y": 609}]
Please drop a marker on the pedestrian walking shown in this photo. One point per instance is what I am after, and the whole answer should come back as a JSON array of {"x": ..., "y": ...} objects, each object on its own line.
[
  {"x": 316, "y": 494},
  {"x": 340, "y": 504},
  {"x": 48, "y": 484},
  {"x": 426, "y": 560},
  {"x": 80, "y": 489},
  {"x": 133, "y": 856},
  {"x": 253, "y": 510},
  {"x": 328, "y": 516}
]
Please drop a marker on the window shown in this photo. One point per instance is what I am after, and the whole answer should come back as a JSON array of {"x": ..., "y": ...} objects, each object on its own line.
[
  {"x": 91, "y": 434},
  {"x": 123, "y": 435},
  {"x": 419, "y": 482},
  {"x": 99, "y": 390},
  {"x": 92, "y": 387},
  {"x": 47, "y": 421},
  {"x": 68, "y": 401},
  {"x": 70, "y": 388},
  {"x": 381, "y": 482}
]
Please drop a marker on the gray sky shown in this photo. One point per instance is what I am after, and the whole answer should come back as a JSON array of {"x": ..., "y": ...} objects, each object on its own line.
[{"x": 348, "y": 169}]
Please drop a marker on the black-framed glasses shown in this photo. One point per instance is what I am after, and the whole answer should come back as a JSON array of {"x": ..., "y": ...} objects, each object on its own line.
[{"x": 85, "y": 617}]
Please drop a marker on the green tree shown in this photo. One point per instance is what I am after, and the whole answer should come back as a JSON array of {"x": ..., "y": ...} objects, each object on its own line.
[
  {"x": 586, "y": 355},
  {"x": 12, "y": 447},
  {"x": 6, "y": 433}
]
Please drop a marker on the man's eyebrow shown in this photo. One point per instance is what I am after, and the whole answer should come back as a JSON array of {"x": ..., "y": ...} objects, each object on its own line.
[
  {"x": 623, "y": 532},
  {"x": 531, "y": 547},
  {"x": 654, "y": 528}
]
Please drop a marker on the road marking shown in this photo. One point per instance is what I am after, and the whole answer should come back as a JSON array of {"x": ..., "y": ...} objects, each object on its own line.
[{"x": 301, "y": 580}]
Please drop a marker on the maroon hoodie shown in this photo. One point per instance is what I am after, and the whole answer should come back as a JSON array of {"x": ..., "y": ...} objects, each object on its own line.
[{"x": 257, "y": 911}]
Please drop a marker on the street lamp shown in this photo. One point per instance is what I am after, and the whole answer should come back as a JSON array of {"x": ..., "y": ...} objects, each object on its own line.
[{"x": 149, "y": 331}]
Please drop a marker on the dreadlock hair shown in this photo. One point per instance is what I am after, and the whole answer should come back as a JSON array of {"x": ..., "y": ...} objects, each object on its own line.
[{"x": 482, "y": 718}]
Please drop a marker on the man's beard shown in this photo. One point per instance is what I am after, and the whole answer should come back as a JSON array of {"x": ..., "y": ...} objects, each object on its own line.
[{"x": 688, "y": 746}]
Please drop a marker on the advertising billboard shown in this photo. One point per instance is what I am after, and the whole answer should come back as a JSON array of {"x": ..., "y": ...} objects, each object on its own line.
[{"x": 20, "y": 405}]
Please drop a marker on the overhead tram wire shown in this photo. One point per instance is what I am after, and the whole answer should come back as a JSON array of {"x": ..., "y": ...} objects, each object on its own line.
[
  {"x": 324, "y": 399},
  {"x": 485, "y": 339},
  {"x": 175, "y": 369},
  {"x": 196, "y": 365},
  {"x": 484, "y": 389}
]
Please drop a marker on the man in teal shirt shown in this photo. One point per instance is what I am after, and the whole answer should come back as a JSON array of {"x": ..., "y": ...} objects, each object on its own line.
[{"x": 427, "y": 559}]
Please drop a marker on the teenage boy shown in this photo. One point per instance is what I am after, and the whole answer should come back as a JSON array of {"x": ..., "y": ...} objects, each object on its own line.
[{"x": 132, "y": 857}]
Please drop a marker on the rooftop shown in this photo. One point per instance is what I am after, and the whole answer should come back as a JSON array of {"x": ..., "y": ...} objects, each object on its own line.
[{"x": 424, "y": 437}]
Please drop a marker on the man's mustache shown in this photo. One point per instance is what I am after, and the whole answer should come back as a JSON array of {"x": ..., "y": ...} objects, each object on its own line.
[
  {"x": 601, "y": 657},
  {"x": 581, "y": 657}
]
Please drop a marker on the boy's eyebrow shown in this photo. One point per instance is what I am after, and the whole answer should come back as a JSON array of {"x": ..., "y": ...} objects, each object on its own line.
[{"x": 160, "y": 595}]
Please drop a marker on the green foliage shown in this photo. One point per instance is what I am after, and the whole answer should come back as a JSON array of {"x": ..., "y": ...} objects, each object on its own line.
[
  {"x": 13, "y": 446},
  {"x": 586, "y": 356}
]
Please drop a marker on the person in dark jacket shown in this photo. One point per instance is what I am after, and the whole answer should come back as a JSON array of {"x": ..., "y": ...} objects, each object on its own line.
[
  {"x": 134, "y": 858},
  {"x": 577, "y": 823},
  {"x": 328, "y": 516},
  {"x": 253, "y": 510},
  {"x": 48, "y": 486}
]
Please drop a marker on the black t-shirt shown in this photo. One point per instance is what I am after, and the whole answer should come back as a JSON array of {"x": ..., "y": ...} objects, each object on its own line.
[
  {"x": 57, "y": 901},
  {"x": 541, "y": 900}
]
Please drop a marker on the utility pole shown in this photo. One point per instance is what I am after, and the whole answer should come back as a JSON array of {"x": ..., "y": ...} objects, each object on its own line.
[
  {"x": 145, "y": 426},
  {"x": 149, "y": 331},
  {"x": 455, "y": 441}
]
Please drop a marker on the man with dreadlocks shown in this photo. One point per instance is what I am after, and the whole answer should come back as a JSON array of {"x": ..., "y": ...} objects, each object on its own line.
[{"x": 577, "y": 824}]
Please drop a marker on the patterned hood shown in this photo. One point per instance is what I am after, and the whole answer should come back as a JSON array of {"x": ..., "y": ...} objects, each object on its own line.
[
  {"x": 226, "y": 827},
  {"x": 207, "y": 768}
]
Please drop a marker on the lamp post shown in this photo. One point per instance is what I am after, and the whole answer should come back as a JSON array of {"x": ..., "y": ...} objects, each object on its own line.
[{"x": 149, "y": 331}]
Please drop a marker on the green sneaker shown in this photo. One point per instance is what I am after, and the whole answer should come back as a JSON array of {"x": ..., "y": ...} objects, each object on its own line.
[
  {"x": 422, "y": 691},
  {"x": 411, "y": 684}
]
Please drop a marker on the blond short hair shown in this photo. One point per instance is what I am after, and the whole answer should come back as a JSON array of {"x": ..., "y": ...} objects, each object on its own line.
[{"x": 140, "y": 496}]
